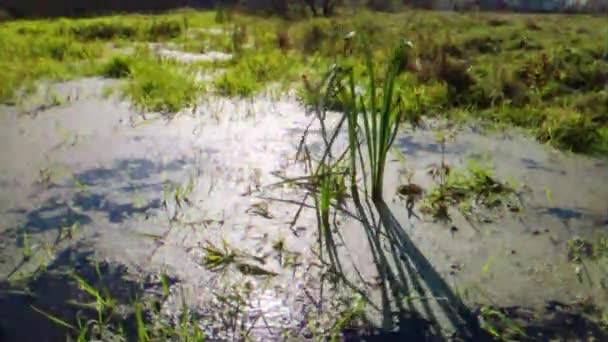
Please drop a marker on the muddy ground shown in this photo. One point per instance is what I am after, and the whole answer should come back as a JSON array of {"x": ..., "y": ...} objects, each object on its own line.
[{"x": 93, "y": 179}]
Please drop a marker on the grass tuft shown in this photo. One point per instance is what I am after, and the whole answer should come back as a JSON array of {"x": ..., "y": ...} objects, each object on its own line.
[
  {"x": 117, "y": 67},
  {"x": 116, "y": 28},
  {"x": 569, "y": 130},
  {"x": 474, "y": 188},
  {"x": 380, "y": 114},
  {"x": 162, "y": 87},
  {"x": 255, "y": 70}
]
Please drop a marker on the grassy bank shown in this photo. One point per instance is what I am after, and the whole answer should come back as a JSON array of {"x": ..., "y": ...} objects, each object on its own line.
[{"x": 544, "y": 73}]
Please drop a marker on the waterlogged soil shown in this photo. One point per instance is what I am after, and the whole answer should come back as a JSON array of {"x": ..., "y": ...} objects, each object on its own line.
[{"x": 94, "y": 180}]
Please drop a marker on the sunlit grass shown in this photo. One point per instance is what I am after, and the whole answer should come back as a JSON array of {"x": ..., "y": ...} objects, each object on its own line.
[
  {"x": 537, "y": 72},
  {"x": 162, "y": 87},
  {"x": 253, "y": 71}
]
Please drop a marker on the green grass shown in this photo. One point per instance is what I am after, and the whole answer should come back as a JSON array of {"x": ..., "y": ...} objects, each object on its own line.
[
  {"x": 580, "y": 249},
  {"x": 546, "y": 73},
  {"x": 69, "y": 48},
  {"x": 380, "y": 113},
  {"x": 471, "y": 189},
  {"x": 110, "y": 315},
  {"x": 569, "y": 129},
  {"x": 500, "y": 326},
  {"x": 26, "y": 58},
  {"x": 491, "y": 71},
  {"x": 136, "y": 28},
  {"x": 161, "y": 87},
  {"x": 117, "y": 67},
  {"x": 254, "y": 70},
  {"x": 216, "y": 258}
]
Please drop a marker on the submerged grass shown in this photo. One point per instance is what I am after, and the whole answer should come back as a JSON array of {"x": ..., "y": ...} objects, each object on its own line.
[
  {"x": 472, "y": 189},
  {"x": 142, "y": 317},
  {"x": 580, "y": 249}
]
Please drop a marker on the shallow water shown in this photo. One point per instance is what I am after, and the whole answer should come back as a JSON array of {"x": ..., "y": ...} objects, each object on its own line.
[{"x": 98, "y": 163}]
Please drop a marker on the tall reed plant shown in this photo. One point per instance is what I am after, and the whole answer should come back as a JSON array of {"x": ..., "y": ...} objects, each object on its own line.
[{"x": 379, "y": 113}]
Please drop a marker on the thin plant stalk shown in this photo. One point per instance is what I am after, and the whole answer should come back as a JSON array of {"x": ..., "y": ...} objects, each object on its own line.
[{"x": 380, "y": 124}]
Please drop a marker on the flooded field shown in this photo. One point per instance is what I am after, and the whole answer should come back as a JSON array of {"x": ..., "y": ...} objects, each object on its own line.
[
  {"x": 150, "y": 200},
  {"x": 227, "y": 176}
]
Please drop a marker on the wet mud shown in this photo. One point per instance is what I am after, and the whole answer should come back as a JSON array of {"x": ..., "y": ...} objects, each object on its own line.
[{"x": 92, "y": 180}]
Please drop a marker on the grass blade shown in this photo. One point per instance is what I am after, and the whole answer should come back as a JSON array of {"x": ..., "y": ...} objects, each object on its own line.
[
  {"x": 142, "y": 333},
  {"x": 54, "y": 319},
  {"x": 88, "y": 289}
]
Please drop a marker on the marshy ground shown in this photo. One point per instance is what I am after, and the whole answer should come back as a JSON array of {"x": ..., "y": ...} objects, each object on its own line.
[{"x": 158, "y": 179}]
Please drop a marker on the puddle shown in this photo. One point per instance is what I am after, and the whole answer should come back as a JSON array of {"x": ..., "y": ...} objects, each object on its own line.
[
  {"x": 118, "y": 184},
  {"x": 214, "y": 31},
  {"x": 188, "y": 57}
]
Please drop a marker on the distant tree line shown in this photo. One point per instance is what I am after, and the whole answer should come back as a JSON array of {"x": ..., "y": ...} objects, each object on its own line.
[
  {"x": 326, "y": 7},
  {"x": 53, "y": 8}
]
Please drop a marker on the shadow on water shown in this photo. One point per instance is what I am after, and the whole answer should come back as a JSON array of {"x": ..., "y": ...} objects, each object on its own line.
[
  {"x": 409, "y": 146},
  {"x": 55, "y": 213},
  {"x": 564, "y": 213},
  {"x": 535, "y": 165},
  {"x": 106, "y": 191},
  {"x": 110, "y": 191},
  {"x": 55, "y": 291},
  {"x": 405, "y": 272},
  {"x": 127, "y": 170}
]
